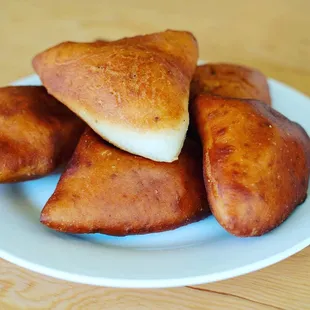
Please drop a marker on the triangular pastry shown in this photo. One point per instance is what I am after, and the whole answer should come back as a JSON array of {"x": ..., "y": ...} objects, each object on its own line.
[
  {"x": 256, "y": 163},
  {"x": 133, "y": 92},
  {"x": 110, "y": 191}
]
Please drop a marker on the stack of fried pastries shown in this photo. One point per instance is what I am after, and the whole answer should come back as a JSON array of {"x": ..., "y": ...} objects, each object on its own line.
[{"x": 165, "y": 141}]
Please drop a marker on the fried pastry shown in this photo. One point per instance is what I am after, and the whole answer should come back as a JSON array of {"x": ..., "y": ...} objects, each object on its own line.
[
  {"x": 37, "y": 134},
  {"x": 133, "y": 92},
  {"x": 256, "y": 163},
  {"x": 229, "y": 80},
  {"x": 110, "y": 191}
]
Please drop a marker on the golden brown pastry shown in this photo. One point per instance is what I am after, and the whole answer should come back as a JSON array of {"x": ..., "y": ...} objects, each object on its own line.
[
  {"x": 256, "y": 163},
  {"x": 133, "y": 92},
  {"x": 110, "y": 191},
  {"x": 37, "y": 133},
  {"x": 229, "y": 80}
]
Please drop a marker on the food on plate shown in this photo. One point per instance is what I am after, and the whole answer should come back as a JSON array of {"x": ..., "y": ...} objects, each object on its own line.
[
  {"x": 133, "y": 92},
  {"x": 110, "y": 191},
  {"x": 256, "y": 163},
  {"x": 132, "y": 170},
  {"x": 230, "y": 80},
  {"x": 37, "y": 134}
]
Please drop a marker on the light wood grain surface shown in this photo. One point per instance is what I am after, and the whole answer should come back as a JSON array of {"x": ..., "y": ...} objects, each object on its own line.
[{"x": 272, "y": 35}]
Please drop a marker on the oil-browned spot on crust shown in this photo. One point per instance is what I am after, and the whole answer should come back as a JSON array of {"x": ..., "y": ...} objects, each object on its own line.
[
  {"x": 240, "y": 190},
  {"x": 221, "y": 152},
  {"x": 271, "y": 163},
  {"x": 213, "y": 114},
  {"x": 235, "y": 173},
  {"x": 221, "y": 131},
  {"x": 236, "y": 164},
  {"x": 113, "y": 176}
]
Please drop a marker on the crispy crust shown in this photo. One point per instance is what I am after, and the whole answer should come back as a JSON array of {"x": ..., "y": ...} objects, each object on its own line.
[
  {"x": 229, "y": 80},
  {"x": 110, "y": 191},
  {"x": 37, "y": 135},
  {"x": 256, "y": 163}
]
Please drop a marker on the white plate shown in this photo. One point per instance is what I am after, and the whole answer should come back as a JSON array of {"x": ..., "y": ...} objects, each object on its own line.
[{"x": 198, "y": 253}]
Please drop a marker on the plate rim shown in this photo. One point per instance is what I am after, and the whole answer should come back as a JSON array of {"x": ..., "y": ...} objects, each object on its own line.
[{"x": 156, "y": 283}]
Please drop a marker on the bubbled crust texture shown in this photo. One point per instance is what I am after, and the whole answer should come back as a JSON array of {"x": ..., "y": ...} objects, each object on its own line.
[
  {"x": 256, "y": 163},
  {"x": 141, "y": 83},
  {"x": 229, "y": 80},
  {"x": 110, "y": 191},
  {"x": 37, "y": 134}
]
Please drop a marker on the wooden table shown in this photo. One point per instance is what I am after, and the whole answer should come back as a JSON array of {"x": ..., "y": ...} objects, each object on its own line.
[{"x": 273, "y": 35}]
